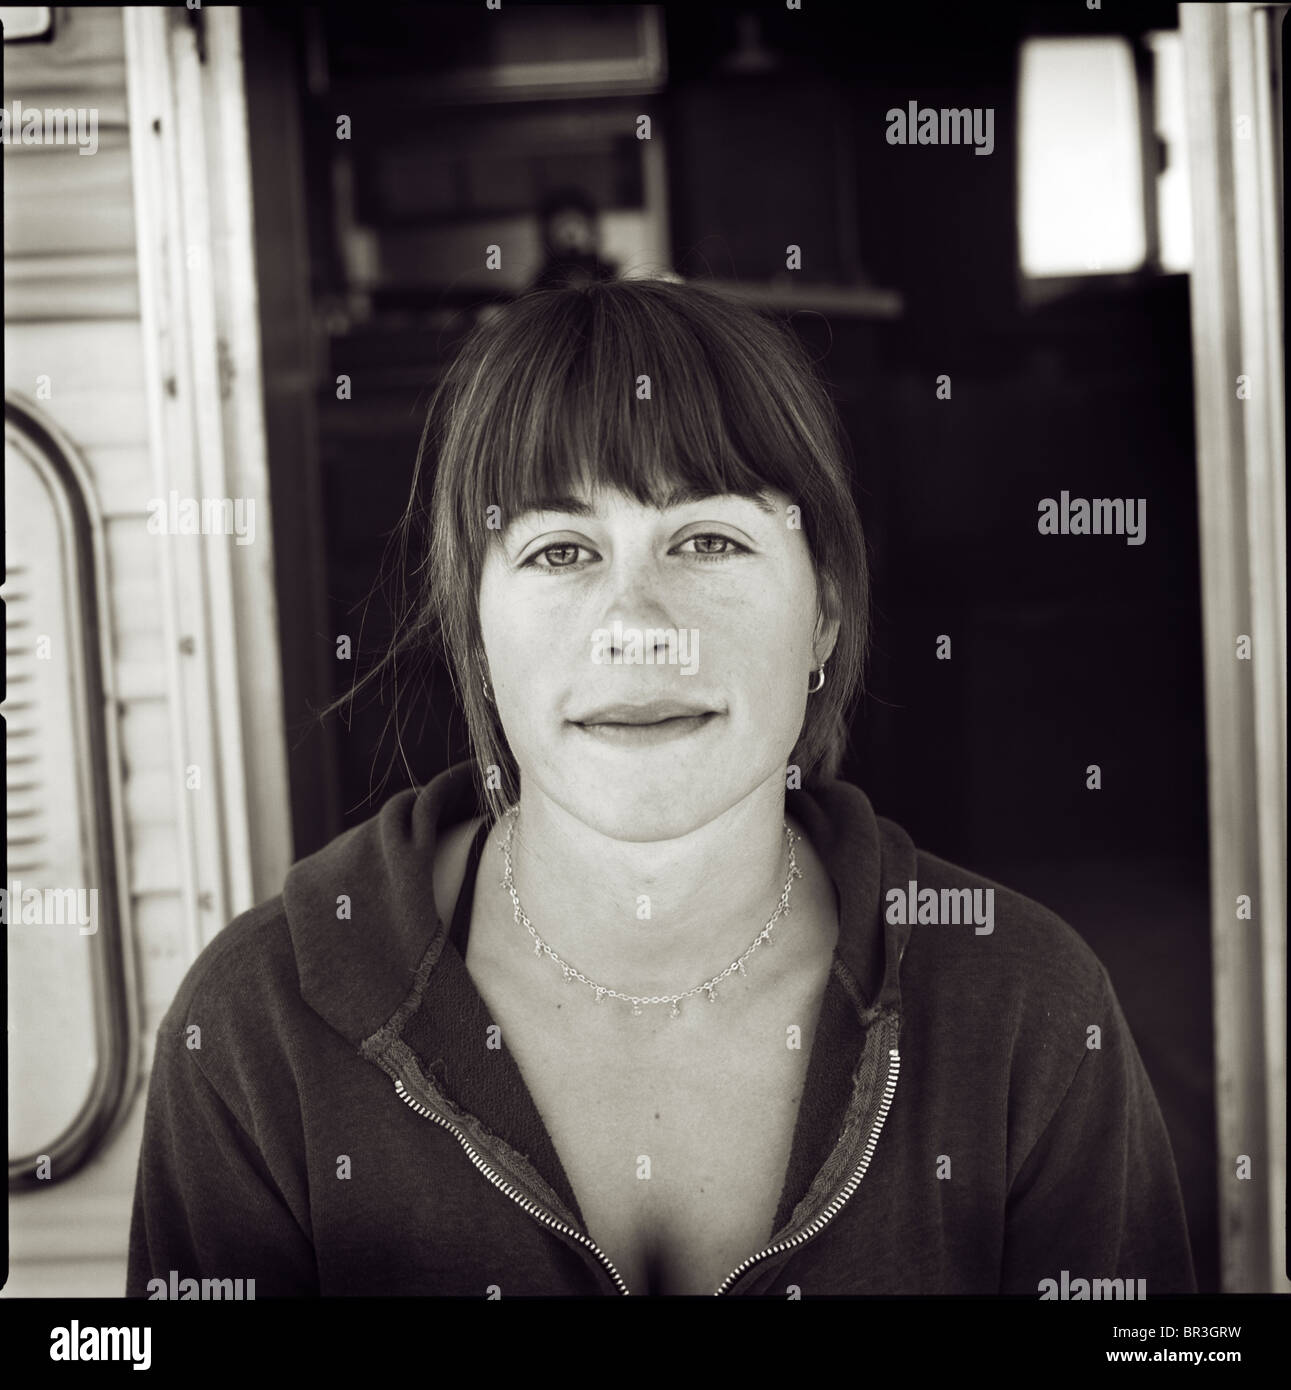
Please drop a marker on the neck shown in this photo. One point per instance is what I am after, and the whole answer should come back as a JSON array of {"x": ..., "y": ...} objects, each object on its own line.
[{"x": 648, "y": 917}]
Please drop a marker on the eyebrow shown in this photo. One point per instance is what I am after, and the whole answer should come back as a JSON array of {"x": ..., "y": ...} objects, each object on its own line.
[{"x": 679, "y": 496}]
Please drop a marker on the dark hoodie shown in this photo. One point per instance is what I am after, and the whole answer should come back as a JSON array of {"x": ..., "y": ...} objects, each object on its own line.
[{"x": 324, "y": 1119}]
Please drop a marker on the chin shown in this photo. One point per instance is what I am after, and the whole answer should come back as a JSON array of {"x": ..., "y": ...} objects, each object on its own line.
[
  {"x": 634, "y": 826},
  {"x": 644, "y": 805}
]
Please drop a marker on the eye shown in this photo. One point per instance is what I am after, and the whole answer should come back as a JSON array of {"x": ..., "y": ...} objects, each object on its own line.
[
  {"x": 736, "y": 547},
  {"x": 562, "y": 547},
  {"x": 569, "y": 548}
]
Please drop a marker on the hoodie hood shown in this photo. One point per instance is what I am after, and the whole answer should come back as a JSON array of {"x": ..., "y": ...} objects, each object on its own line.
[{"x": 365, "y": 981}]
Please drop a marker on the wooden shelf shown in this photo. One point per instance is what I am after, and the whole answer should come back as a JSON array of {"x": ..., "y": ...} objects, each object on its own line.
[{"x": 862, "y": 301}]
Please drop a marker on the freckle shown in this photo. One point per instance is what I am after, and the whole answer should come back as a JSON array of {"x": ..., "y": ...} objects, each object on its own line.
[{"x": 656, "y": 1114}]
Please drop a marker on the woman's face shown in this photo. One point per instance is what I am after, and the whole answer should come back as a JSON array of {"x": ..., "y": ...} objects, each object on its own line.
[{"x": 650, "y": 668}]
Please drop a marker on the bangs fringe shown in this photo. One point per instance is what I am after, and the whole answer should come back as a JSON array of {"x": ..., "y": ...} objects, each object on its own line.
[{"x": 553, "y": 402}]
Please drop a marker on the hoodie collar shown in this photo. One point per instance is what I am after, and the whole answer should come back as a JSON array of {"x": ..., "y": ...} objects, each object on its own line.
[{"x": 366, "y": 935}]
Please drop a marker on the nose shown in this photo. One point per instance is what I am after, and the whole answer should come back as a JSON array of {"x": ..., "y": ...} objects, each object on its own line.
[{"x": 635, "y": 600}]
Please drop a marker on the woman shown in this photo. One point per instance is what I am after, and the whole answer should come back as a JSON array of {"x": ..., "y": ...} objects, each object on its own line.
[{"x": 677, "y": 1013}]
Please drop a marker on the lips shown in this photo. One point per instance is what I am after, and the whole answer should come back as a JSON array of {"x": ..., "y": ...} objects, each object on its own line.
[{"x": 654, "y": 712}]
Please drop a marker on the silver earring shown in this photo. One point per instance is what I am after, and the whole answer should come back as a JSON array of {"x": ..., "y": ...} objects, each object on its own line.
[{"x": 812, "y": 689}]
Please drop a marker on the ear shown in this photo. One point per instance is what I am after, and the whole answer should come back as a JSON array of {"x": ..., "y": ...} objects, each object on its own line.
[{"x": 827, "y": 622}]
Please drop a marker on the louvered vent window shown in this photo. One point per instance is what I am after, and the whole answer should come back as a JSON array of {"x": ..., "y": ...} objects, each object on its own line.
[{"x": 68, "y": 1017}]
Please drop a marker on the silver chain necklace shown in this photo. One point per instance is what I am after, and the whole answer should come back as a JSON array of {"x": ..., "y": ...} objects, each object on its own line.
[{"x": 540, "y": 947}]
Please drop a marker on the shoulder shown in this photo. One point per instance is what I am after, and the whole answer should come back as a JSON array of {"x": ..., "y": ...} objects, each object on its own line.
[
  {"x": 236, "y": 1024},
  {"x": 1018, "y": 996},
  {"x": 249, "y": 975},
  {"x": 1007, "y": 1018},
  {"x": 248, "y": 969},
  {"x": 996, "y": 938}
]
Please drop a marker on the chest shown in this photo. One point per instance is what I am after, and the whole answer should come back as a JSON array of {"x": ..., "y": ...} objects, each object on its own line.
[{"x": 675, "y": 1139}]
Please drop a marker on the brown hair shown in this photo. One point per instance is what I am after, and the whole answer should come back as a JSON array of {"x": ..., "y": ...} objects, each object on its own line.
[{"x": 542, "y": 399}]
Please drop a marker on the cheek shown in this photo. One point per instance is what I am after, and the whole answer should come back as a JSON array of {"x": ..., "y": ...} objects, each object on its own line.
[
  {"x": 528, "y": 638},
  {"x": 758, "y": 647},
  {"x": 767, "y": 615},
  {"x": 777, "y": 628},
  {"x": 497, "y": 627}
]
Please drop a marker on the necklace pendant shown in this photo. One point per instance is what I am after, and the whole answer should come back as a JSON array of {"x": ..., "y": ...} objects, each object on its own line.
[{"x": 540, "y": 947}]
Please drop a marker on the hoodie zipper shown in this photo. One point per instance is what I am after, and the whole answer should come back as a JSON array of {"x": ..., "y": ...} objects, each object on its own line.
[
  {"x": 813, "y": 1228},
  {"x": 534, "y": 1210},
  {"x": 818, "y": 1223}
]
